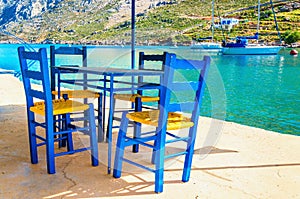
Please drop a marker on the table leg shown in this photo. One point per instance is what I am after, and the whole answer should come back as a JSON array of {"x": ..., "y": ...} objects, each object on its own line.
[
  {"x": 100, "y": 119},
  {"x": 110, "y": 125}
]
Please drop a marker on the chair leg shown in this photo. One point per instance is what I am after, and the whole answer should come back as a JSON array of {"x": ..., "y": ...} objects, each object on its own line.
[
  {"x": 50, "y": 148},
  {"x": 154, "y": 156},
  {"x": 120, "y": 146},
  {"x": 85, "y": 123},
  {"x": 69, "y": 139},
  {"x": 159, "y": 159},
  {"x": 56, "y": 125},
  {"x": 159, "y": 170},
  {"x": 137, "y": 126},
  {"x": 189, "y": 156},
  {"x": 159, "y": 183},
  {"x": 64, "y": 126},
  {"x": 104, "y": 114},
  {"x": 109, "y": 133},
  {"x": 110, "y": 118},
  {"x": 137, "y": 133},
  {"x": 32, "y": 138},
  {"x": 99, "y": 119},
  {"x": 93, "y": 136}
]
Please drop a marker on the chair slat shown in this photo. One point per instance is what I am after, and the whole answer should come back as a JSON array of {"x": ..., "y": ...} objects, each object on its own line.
[
  {"x": 34, "y": 75},
  {"x": 68, "y": 51},
  {"x": 182, "y": 106},
  {"x": 31, "y": 55},
  {"x": 152, "y": 57},
  {"x": 181, "y": 86},
  {"x": 36, "y": 94},
  {"x": 188, "y": 64}
]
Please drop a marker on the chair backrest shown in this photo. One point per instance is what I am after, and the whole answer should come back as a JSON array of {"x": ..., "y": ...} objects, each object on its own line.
[
  {"x": 68, "y": 50},
  {"x": 38, "y": 73},
  {"x": 152, "y": 58},
  {"x": 183, "y": 86},
  {"x": 56, "y": 53},
  {"x": 155, "y": 62}
]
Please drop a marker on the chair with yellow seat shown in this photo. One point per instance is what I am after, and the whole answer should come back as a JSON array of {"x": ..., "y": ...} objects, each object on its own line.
[
  {"x": 79, "y": 58},
  {"x": 38, "y": 73},
  {"x": 146, "y": 62},
  {"x": 148, "y": 92},
  {"x": 179, "y": 108}
]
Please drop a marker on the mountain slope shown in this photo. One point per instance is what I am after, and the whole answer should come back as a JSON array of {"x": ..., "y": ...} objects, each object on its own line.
[
  {"x": 12, "y": 10},
  {"x": 157, "y": 22}
]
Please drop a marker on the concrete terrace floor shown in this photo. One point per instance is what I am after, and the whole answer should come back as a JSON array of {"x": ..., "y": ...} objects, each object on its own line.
[{"x": 231, "y": 161}]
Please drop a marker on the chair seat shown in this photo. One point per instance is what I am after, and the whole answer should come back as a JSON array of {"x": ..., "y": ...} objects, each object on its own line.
[
  {"x": 77, "y": 93},
  {"x": 132, "y": 97},
  {"x": 60, "y": 106},
  {"x": 179, "y": 107},
  {"x": 175, "y": 120}
]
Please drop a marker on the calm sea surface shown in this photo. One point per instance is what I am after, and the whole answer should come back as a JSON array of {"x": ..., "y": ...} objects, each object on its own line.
[{"x": 259, "y": 91}]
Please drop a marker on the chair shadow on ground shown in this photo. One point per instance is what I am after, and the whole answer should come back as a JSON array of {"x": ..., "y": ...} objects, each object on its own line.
[
  {"x": 134, "y": 183},
  {"x": 75, "y": 177}
]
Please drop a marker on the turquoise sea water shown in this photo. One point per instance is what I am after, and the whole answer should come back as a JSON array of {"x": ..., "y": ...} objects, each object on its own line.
[{"x": 259, "y": 91}]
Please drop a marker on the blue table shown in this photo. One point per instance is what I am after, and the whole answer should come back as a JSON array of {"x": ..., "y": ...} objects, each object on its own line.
[{"x": 106, "y": 80}]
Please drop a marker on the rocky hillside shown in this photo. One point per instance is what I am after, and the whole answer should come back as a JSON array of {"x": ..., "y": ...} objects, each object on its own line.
[
  {"x": 158, "y": 22},
  {"x": 12, "y": 10}
]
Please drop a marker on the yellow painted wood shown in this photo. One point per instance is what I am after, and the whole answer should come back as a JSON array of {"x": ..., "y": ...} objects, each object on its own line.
[
  {"x": 78, "y": 93},
  {"x": 132, "y": 97},
  {"x": 60, "y": 106},
  {"x": 175, "y": 120}
]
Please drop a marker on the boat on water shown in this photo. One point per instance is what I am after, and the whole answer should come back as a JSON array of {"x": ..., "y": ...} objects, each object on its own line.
[
  {"x": 242, "y": 47},
  {"x": 252, "y": 50},
  {"x": 208, "y": 45}
]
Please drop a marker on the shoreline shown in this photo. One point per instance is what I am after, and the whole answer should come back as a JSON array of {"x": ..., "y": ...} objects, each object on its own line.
[
  {"x": 14, "y": 95},
  {"x": 296, "y": 45}
]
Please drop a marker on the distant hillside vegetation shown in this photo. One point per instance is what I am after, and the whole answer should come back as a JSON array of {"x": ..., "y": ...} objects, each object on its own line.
[{"x": 157, "y": 22}]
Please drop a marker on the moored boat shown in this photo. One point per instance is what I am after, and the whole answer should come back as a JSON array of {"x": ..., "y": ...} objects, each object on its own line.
[
  {"x": 206, "y": 45},
  {"x": 252, "y": 50},
  {"x": 214, "y": 46},
  {"x": 242, "y": 47}
]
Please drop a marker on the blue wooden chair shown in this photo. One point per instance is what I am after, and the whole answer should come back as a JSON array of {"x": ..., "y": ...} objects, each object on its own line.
[
  {"x": 146, "y": 62},
  {"x": 146, "y": 93},
  {"x": 38, "y": 73},
  {"x": 181, "y": 92},
  {"x": 80, "y": 60}
]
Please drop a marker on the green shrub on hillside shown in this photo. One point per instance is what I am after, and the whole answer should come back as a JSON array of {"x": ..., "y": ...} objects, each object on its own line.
[
  {"x": 291, "y": 37},
  {"x": 179, "y": 22}
]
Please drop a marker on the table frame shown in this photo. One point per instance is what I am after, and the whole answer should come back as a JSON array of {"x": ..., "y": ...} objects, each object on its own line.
[{"x": 108, "y": 76}]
